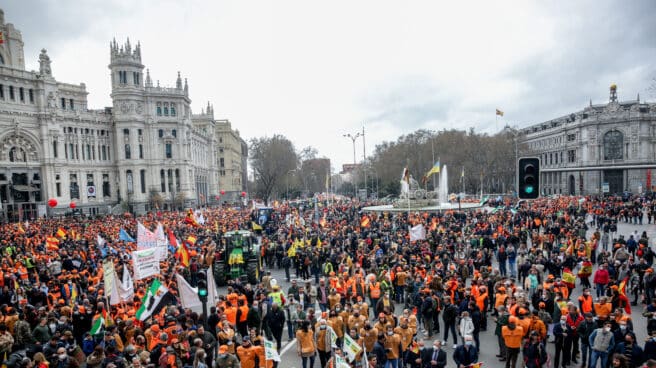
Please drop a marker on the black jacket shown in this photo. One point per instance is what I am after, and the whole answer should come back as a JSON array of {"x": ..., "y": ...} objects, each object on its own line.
[
  {"x": 426, "y": 355},
  {"x": 275, "y": 319},
  {"x": 465, "y": 356}
]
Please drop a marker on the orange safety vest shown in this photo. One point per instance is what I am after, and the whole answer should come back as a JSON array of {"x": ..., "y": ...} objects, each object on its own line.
[
  {"x": 586, "y": 304},
  {"x": 244, "y": 313},
  {"x": 374, "y": 290}
]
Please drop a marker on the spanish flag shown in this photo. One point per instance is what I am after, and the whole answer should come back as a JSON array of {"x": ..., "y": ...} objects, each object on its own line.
[
  {"x": 322, "y": 222},
  {"x": 191, "y": 239},
  {"x": 61, "y": 233},
  {"x": 622, "y": 287},
  {"x": 183, "y": 254},
  {"x": 20, "y": 229},
  {"x": 52, "y": 243},
  {"x": 190, "y": 219},
  {"x": 365, "y": 222},
  {"x": 499, "y": 112}
]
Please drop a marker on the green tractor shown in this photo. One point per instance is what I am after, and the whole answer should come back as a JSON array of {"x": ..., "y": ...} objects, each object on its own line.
[{"x": 238, "y": 257}]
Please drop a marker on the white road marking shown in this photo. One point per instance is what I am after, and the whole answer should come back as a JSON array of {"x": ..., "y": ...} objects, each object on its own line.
[{"x": 287, "y": 347}]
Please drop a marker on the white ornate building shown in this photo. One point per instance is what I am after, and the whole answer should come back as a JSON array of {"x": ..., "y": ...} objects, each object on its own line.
[
  {"x": 605, "y": 148},
  {"x": 147, "y": 150}
]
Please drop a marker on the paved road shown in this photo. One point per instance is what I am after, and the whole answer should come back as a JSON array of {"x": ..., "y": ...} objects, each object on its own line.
[{"x": 488, "y": 340}]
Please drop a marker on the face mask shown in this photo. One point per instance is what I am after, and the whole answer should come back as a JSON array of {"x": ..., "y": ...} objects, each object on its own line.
[
  {"x": 390, "y": 333},
  {"x": 622, "y": 327},
  {"x": 337, "y": 309},
  {"x": 404, "y": 327},
  {"x": 606, "y": 329},
  {"x": 563, "y": 322},
  {"x": 62, "y": 356},
  {"x": 468, "y": 343},
  {"x": 322, "y": 327},
  {"x": 222, "y": 356}
]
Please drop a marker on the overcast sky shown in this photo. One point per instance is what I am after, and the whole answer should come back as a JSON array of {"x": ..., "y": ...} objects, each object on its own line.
[{"x": 315, "y": 70}]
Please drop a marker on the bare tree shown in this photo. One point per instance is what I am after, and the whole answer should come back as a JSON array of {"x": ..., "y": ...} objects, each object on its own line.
[{"x": 272, "y": 159}]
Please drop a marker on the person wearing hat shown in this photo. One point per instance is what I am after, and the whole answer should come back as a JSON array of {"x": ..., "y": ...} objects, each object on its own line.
[
  {"x": 512, "y": 338},
  {"x": 225, "y": 359}
]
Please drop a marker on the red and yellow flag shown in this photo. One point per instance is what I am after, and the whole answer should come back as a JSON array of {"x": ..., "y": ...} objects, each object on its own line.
[
  {"x": 183, "y": 255},
  {"x": 52, "y": 243},
  {"x": 20, "y": 229},
  {"x": 323, "y": 221},
  {"x": 61, "y": 233},
  {"x": 622, "y": 287},
  {"x": 365, "y": 221},
  {"x": 191, "y": 239},
  {"x": 190, "y": 219}
]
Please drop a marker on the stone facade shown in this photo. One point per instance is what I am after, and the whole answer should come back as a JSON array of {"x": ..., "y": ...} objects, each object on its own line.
[
  {"x": 148, "y": 150},
  {"x": 605, "y": 148}
]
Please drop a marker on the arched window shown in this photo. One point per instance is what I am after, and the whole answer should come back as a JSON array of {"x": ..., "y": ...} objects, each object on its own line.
[
  {"x": 613, "y": 145},
  {"x": 159, "y": 109},
  {"x": 166, "y": 109},
  {"x": 172, "y": 109}
]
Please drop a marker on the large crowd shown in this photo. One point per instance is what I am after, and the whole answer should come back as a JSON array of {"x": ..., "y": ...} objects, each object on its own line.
[{"x": 551, "y": 279}]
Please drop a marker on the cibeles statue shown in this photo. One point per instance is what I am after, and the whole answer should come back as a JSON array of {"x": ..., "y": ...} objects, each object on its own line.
[{"x": 410, "y": 187}]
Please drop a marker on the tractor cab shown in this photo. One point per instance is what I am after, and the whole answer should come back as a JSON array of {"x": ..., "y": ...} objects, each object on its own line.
[{"x": 239, "y": 257}]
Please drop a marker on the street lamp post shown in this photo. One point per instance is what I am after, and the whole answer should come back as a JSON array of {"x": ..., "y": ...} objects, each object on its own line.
[
  {"x": 353, "y": 138},
  {"x": 515, "y": 134}
]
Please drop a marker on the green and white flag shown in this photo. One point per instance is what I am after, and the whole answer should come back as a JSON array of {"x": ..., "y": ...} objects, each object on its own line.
[
  {"x": 99, "y": 324},
  {"x": 152, "y": 300},
  {"x": 270, "y": 352},
  {"x": 351, "y": 348},
  {"x": 333, "y": 338},
  {"x": 341, "y": 362},
  {"x": 483, "y": 200}
]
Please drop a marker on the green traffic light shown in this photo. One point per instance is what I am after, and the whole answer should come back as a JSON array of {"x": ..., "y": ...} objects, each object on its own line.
[
  {"x": 528, "y": 189},
  {"x": 202, "y": 292}
]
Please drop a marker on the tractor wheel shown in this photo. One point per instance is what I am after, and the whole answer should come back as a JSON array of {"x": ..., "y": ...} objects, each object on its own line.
[
  {"x": 251, "y": 272},
  {"x": 220, "y": 274}
]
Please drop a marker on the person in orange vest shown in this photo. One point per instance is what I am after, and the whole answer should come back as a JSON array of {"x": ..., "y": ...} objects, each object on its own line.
[
  {"x": 247, "y": 353},
  {"x": 242, "y": 317},
  {"x": 585, "y": 302},
  {"x": 374, "y": 293},
  {"x": 512, "y": 336}
]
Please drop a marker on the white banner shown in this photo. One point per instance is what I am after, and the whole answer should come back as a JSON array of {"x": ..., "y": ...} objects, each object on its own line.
[
  {"x": 145, "y": 238},
  {"x": 188, "y": 295},
  {"x": 126, "y": 287},
  {"x": 162, "y": 243},
  {"x": 109, "y": 279},
  {"x": 91, "y": 191},
  {"x": 417, "y": 233},
  {"x": 351, "y": 348},
  {"x": 270, "y": 352},
  {"x": 146, "y": 263}
]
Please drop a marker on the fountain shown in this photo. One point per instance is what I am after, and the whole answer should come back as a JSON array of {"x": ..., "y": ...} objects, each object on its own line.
[
  {"x": 443, "y": 190},
  {"x": 414, "y": 198}
]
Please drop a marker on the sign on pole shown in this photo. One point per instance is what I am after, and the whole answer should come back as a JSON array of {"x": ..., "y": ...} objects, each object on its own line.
[{"x": 146, "y": 263}]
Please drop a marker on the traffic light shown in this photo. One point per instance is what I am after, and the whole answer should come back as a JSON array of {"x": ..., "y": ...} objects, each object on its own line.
[
  {"x": 202, "y": 286},
  {"x": 528, "y": 180}
]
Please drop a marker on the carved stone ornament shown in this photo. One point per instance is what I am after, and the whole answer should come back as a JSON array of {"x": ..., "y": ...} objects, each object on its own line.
[{"x": 125, "y": 107}]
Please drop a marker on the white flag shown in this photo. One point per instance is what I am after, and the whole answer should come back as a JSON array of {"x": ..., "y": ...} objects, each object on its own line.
[
  {"x": 351, "y": 348},
  {"x": 270, "y": 352},
  {"x": 126, "y": 287},
  {"x": 341, "y": 362},
  {"x": 212, "y": 292},
  {"x": 188, "y": 295},
  {"x": 109, "y": 279},
  {"x": 100, "y": 241},
  {"x": 417, "y": 233},
  {"x": 161, "y": 241}
]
